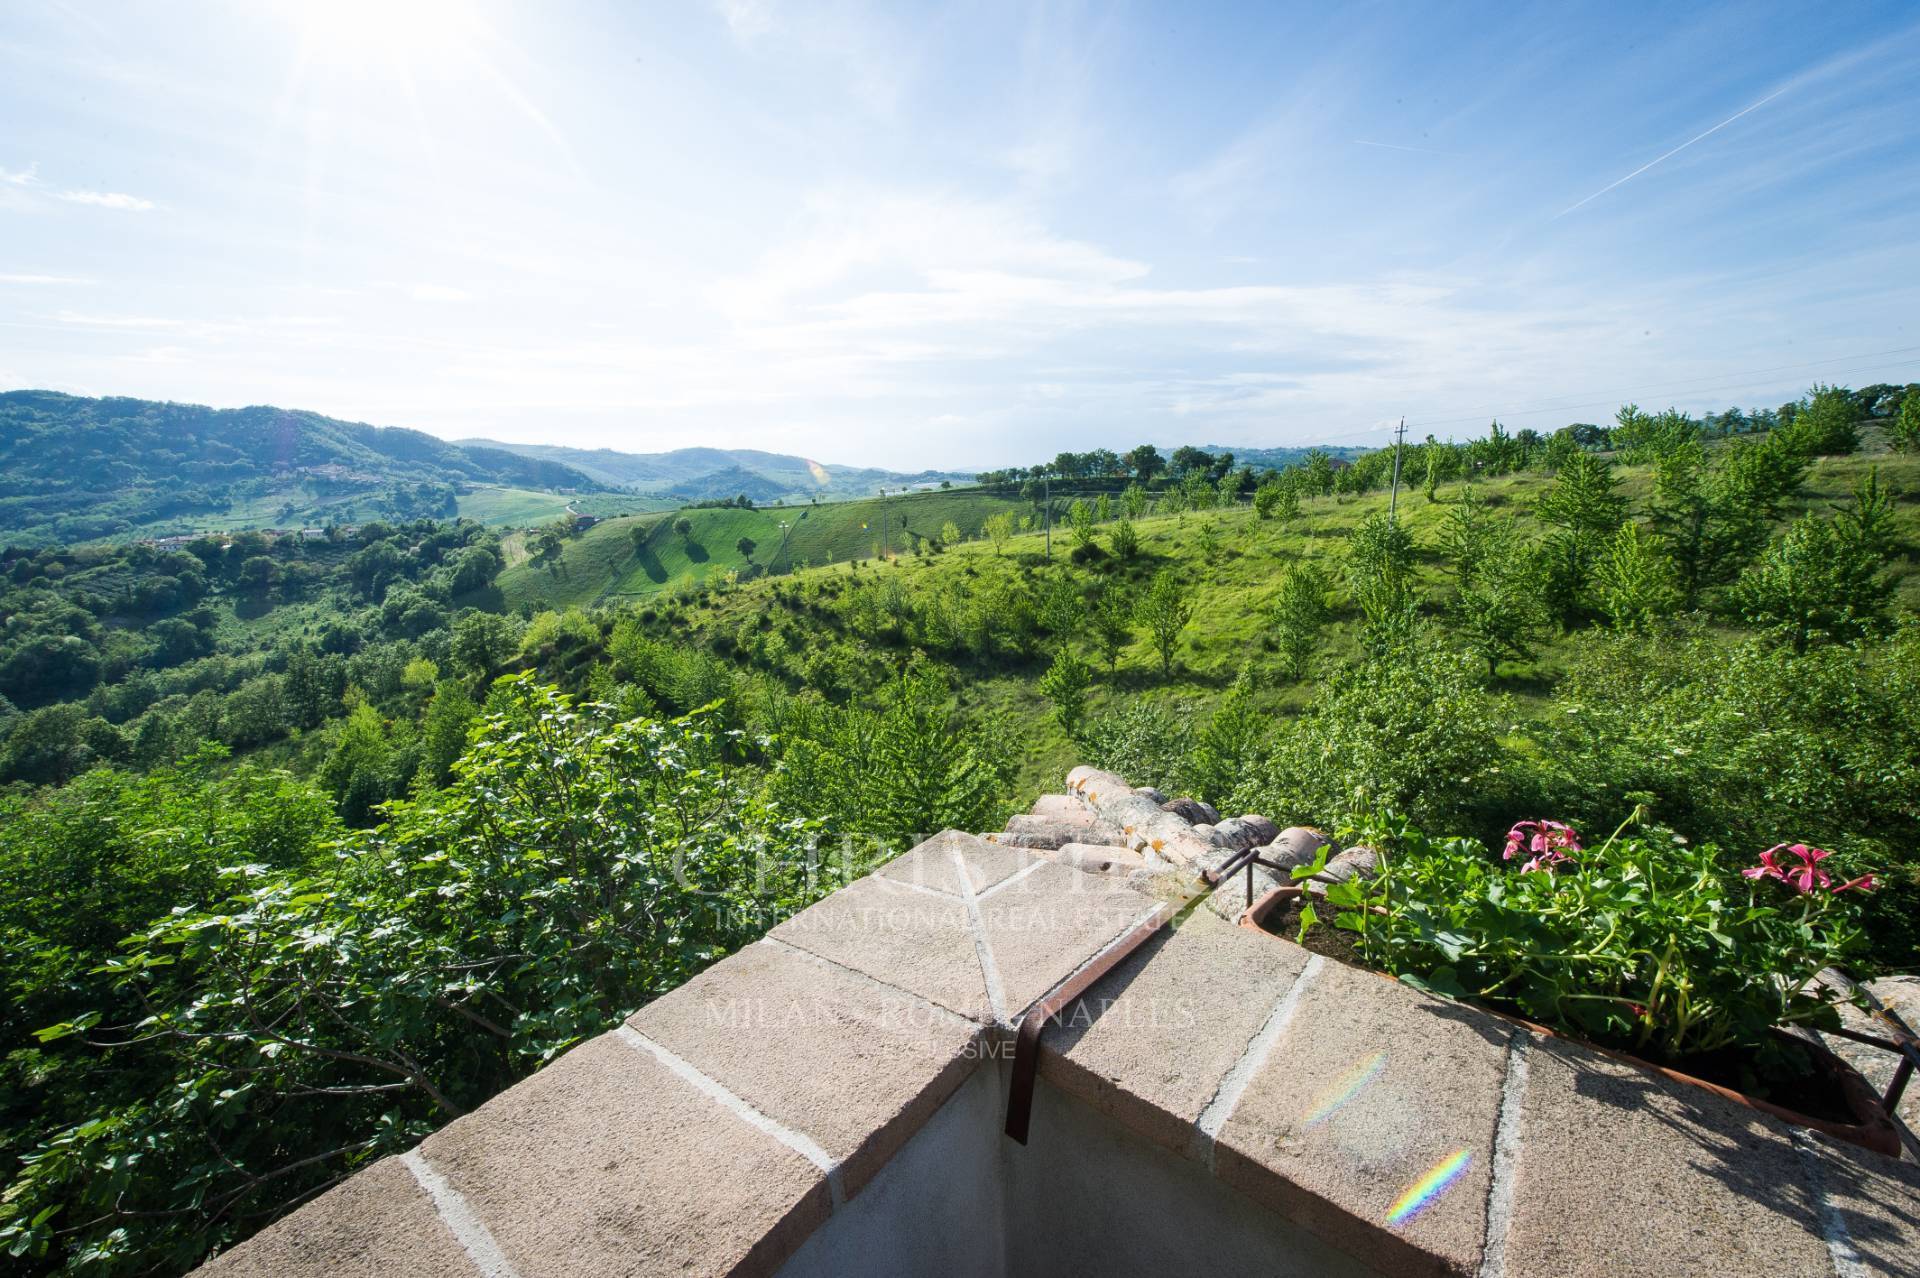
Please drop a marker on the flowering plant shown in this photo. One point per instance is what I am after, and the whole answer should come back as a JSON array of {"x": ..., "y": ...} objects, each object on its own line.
[{"x": 1644, "y": 942}]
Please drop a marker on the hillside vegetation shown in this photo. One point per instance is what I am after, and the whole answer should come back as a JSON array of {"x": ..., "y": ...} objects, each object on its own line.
[
  {"x": 307, "y": 848},
  {"x": 646, "y": 555},
  {"x": 701, "y": 474},
  {"x": 74, "y": 469}
]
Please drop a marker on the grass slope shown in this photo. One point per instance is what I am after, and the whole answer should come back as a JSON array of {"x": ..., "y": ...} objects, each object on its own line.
[
  {"x": 1233, "y": 591},
  {"x": 602, "y": 564}
]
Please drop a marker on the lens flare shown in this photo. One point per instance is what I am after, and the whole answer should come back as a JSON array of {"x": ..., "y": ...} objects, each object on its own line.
[
  {"x": 1343, "y": 1089},
  {"x": 1421, "y": 1193}
]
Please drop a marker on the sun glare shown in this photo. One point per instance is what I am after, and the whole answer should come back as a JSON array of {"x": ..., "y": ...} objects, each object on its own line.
[{"x": 392, "y": 32}]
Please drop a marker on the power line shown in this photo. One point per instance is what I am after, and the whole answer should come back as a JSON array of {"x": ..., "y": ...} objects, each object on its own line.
[{"x": 1609, "y": 397}]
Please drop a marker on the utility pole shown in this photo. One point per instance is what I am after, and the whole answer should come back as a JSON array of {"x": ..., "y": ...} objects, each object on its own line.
[
  {"x": 1399, "y": 437},
  {"x": 1047, "y": 497}
]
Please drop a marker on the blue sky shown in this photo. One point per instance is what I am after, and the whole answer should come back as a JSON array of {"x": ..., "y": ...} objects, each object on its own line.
[{"x": 963, "y": 235}]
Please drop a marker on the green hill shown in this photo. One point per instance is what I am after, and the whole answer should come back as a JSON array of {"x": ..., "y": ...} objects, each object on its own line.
[
  {"x": 605, "y": 564},
  {"x": 699, "y": 474},
  {"x": 76, "y": 470}
]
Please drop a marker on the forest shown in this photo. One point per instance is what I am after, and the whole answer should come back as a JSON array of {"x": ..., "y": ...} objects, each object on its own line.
[{"x": 309, "y": 845}]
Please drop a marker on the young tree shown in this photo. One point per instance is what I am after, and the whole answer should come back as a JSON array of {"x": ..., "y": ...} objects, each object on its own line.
[
  {"x": 684, "y": 527},
  {"x": 1634, "y": 581},
  {"x": 1583, "y": 505},
  {"x": 1065, "y": 684},
  {"x": 1125, "y": 539},
  {"x": 949, "y": 533},
  {"x": 1497, "y": 609},
  {"x": 1707, "y": 526},
  {"x": 1380, "y": 569},
  {"x": 1299, "y": 610},
  {"x": 1228, "y": 745},
  {"x": 1133, "y": 500},
  {"x": 999, "y": 530},
  {"x": 1823, "y": 424},
  {"x": 746, "y": 546},
  {"x": 1267, "y": 498},
  {"x": 1165, "y": 611},
  {"x": 1080, "y": 523},
  {"x": 1103, "y": 508},
  {"x": 1819, "y": 582},
  {"x": 1111, "y": 624},
  {"x": 1465, "y": 536},
  {"x": 1905, "y": 430}
]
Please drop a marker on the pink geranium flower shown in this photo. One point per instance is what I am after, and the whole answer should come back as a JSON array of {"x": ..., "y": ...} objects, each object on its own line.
[
  {"x": 1807, "y": 875},
  {"x": 1548, "y": 841}
]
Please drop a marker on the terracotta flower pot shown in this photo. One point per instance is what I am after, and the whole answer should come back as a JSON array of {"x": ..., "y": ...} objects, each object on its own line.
[{"x": 1872, "y": 1128}]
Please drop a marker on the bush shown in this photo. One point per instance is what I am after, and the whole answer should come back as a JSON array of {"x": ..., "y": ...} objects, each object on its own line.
[
  {"x": 1409, "y": 729},
  {"x": 1142, "y": 743},
  {"x": 1645, "y": 943}
]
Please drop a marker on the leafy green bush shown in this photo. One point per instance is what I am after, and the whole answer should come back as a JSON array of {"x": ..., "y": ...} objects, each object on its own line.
[
  {"x": 1146, "y": 744},
  {"x": 300, "y": 1023},
  {"x": 1410, "y": 729},
  {"x": 1643, "y": 942}
]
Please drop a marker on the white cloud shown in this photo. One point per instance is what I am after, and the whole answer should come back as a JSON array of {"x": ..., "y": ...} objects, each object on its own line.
[
  {"x": 29, "y": 179},
  {"x": 109, "y": 200},
  {"x": 438, "y": 293}
]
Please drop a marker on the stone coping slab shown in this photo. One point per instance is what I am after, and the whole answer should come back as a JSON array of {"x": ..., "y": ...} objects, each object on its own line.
[
  {"x": 610, "y": 1161},
  {"x": 1413, "y": 1134},
  {"x": 380, "y": 1224},
  {"x": 857, "y": 1065}
]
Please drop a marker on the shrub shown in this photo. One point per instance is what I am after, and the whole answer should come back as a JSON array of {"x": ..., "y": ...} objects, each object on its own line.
[
  {"x": 1409, "y": 729},
  {"x": 1145, "y": 744},
  {"x": 1643, "y": 942}
]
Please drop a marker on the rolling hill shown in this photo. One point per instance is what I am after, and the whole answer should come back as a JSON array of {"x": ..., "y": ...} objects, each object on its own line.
[
  {"x": 701, "y": 474},
  {"x": 75, "y": 469},
  {"x": 605, "y": 564}
]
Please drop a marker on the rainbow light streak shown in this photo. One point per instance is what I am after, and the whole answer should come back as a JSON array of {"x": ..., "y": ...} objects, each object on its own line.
[
  {"x": 1421, "y": 1193},
  {"x": 1344, "y": 1088}
]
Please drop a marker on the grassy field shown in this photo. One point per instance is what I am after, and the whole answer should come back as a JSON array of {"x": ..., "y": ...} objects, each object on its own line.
[
  {"x": 603, "y": 564},
  {"x": 1232, "y": 588}
]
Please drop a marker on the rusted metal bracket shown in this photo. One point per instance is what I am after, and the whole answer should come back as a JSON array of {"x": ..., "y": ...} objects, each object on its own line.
[{"x": 1026, "y": 1043}]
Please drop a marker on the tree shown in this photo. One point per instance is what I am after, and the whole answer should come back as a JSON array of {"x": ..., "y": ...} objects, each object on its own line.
[
  {"x": 1708, "y": 526},
  {"x": 358, "y": 770},
  {"x": 1165, "y": 611},
  {"x": 746, "y": 546},
  {"x": 1466, "y": 536},
  {"x": 1634, "y": 581},
  {"x": 684, "y": 527},
  {"x": 999, "y": 530},
  {"x": 257, "y": 574},
  {"x": 1905, "y": 430},
  {"x": 1823, "y": 424},
  {"x": 1317, "y": 473},
  {"x": 1188, "y": 460},
  {"x": 443, "y": 734},
  {"x": 1267, "y": 498},
  {"x": 484, "y": 642},
  {"x": 1111, "y": 624},
  {"x": 1133, "y": 500},
  {"x": 1229, "y": 744},
  {"x": 1820, "y": 582},
  {"x": 1103, "y": 508},
  {"x": 1299, "y": 610},
  {"x": 1125, "y": 539},
  {"x": 1497, "y": 610},
  {"x": 1581, "y": 503},
  {"x": 1380, "y": 569},
  {"x": 1080, "y": 523},
  {"x": 949, "y": 533},
  {"x": 1145, "y": 462},
  {"x": 1065, "y": 684}
]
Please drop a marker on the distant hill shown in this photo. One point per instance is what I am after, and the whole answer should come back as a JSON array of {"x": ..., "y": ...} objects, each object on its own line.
[
  {"x": 74, "y": 469},
  {"x": 697, "y": 474},
  {"x": 1281, "y": 458}
]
